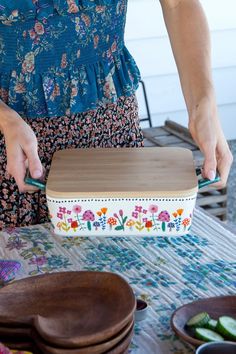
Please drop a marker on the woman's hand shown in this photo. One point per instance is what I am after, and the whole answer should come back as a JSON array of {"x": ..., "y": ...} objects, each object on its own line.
[
  {"x": 206, "y": 130},
  {"x": 21, "y": 148},
  {"x": 190, "y": 40}
]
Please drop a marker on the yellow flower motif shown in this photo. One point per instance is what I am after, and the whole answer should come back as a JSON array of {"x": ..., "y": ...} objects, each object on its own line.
[
  {"x": 104, "y": 210},
  {"x": 180, "y": 211}
]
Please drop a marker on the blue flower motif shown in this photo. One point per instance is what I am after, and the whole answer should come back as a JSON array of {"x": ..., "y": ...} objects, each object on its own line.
[
  {"x": 114, "y": 258},
  {"x": 188, "y": 253},
  {"x": 58, "y": 262},
  {"x": 152, "y": 279},
  {"x": 220, "y": 273}
]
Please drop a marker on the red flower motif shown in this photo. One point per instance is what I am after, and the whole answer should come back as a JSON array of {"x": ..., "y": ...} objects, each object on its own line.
[
  {"x": 74, "y": 224},
  {"x": 148, "y": 224}
]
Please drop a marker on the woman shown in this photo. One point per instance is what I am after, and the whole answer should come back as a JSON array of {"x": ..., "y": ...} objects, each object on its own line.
[{"x": 67, "y": 80}]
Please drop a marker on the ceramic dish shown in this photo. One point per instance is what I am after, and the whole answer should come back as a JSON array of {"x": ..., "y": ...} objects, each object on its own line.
[
  {"x": 122, "y": 192},
  {"x": 214, "y": 306},
  {"x": 217, "y": 348}
]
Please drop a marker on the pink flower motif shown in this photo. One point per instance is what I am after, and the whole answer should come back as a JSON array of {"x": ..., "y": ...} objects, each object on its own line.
[
  {"x": 76, "y": 209},
  {"x": 153, "y": 209},
  {"x": 116, "y": 216},
  {"x": 69, "y": 221},
  {"x": 144, "y": 211},
  {"x": 145, "y": 219},
  {"x": 138, "y": 208},
  {"x": 121, "y": 212},
  {"x": 88, "y": 215},
  {"x": 164, "y": 216},
  {"x": 135, "y": 215},
  {"x": 62, "y": 210},
  {"x": 39, "y": 261},
  {"x": 60, "y": 215},
  {"x": 32, "y": 34},
  {"x": 68, "y": 212},
  {"x": 38, "y": 27}
]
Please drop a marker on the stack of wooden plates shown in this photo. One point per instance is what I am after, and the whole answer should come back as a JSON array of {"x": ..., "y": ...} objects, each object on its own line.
[{"x": 68, "y": 312}]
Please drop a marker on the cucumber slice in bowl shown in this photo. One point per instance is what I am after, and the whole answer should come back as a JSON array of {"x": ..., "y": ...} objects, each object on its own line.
[
  {"x": 212, "y": 325},
  {"x": 207, "y": 335},
  {"x": 227, "y": 327},
  {"x": 199, "y": 320}
]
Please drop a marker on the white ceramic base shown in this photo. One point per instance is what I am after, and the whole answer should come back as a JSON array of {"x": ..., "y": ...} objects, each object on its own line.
[{"x": 121, "y": 217}]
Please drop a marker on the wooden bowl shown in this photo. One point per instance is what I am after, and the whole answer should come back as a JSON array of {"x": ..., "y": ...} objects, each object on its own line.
[
  {"x": 119, "y": 348},
  {"x": 94, "y": 349},
  {"x": 51, "y": 303},
  {"x": 214, "y": 306},
  {"x": 15, "y": 332}
]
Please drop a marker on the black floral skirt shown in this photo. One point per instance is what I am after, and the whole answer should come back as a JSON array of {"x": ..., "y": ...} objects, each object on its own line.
[{"x": 112, "y": 125}]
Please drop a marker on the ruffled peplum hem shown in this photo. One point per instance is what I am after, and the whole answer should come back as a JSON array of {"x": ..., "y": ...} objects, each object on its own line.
[
  {"x": 13, "y": 11},
  {"x": 65, "y": 91}
]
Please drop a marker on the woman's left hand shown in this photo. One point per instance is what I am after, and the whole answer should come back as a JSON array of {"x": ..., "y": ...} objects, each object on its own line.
[{"x": 205, "y": 128}]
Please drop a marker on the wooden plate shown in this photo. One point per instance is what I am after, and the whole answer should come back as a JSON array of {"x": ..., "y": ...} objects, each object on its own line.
[
  {"x": 95, "y": 349},
  {"x": 68, "y": 309},
  {"x": 214, "y": 306},
  {"x": 119, "y": 348},
  {"x": 15, "y": 332},
  {"x": 17, "y": 345}
]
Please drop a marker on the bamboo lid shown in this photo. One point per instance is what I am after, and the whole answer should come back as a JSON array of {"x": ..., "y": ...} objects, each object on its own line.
[{"x": 122, "y": 173}]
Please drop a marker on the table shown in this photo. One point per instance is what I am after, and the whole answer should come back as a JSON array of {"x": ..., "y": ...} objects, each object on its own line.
[{"x": 165, "y": 271}]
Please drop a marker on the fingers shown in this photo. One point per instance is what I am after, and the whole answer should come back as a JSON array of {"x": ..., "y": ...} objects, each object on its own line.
[
  {"x": 210, "y": 163},
  {"x": 16, "y": 167},
  {"x": 35, "y": 166},
  {"x": 218, "y": 158},
  {"x": 224, "y": 163},
  {"x": 18, "y": 171}
]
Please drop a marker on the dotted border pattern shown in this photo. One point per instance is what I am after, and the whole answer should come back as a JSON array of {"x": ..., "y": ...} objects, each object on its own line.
[{"x": 120, "y": 200}]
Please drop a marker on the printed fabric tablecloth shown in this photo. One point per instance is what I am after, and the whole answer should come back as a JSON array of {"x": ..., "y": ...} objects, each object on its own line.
[{"x": 165, "y": 271}]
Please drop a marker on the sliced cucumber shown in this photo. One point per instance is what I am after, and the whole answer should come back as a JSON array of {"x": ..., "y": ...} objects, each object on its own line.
[
  {"x": 199, "y": 320},
  {"x": 227, "y": 327},
  {"x": 207, "y": 335},
  {"x": 211, "y": 324}
]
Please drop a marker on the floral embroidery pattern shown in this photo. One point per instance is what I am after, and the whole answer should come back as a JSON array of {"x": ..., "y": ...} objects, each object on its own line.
[
  {"x": 140, "y": 219},
  {"x": 65, "y": 57}
]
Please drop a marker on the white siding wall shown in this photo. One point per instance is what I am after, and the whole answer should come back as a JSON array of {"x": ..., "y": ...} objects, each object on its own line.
[{"x": 147, "y": 40}]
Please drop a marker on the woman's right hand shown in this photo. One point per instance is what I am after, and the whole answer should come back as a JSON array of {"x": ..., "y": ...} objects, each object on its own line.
[{"x": 21, "y": 147}]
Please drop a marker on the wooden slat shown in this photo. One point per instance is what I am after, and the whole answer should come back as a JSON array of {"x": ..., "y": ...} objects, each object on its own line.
[
  {"x": 148, "y": 143},
  {"x": 155, "y": 131},
  {"x": 221, "y": 211},
  {"x": 181, "y": 135},
  {"x": 211, "y": 199}
]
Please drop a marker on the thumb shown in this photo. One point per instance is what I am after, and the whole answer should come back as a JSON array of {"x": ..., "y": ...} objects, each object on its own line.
[
  {"x": 209, "y": 167},
  {"x": 35, "y": 166}
]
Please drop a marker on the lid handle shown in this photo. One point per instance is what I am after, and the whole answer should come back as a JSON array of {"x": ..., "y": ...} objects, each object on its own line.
[
  {"x": 34, "y": 182},
  {"x": 203, "y": 182}
]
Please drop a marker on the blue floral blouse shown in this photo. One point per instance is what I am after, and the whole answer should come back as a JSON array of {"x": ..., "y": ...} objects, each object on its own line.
[{"x": 59, "y": 57}]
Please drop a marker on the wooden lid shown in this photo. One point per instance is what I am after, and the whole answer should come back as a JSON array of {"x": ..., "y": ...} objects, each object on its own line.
[{"x": 122, "y": 173}]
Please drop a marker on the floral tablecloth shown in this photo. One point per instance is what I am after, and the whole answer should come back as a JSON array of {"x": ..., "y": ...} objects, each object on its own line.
[{"x": 166, "y": 271}]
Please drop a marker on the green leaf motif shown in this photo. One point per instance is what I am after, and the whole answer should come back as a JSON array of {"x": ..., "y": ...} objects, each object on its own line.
[
  {"x": 163, "y": 226},
  {"x": 89, "y": 225},
  {"x": 118, "y": 228},
  {"x": 124, "y": 220}
]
